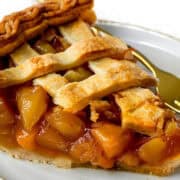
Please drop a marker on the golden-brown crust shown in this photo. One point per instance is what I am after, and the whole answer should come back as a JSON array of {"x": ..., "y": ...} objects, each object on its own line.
[
  {"x": 76, "y": 31},
  {"x": 51, "y": 83},
  {"x": 127, "y": 74},
  {"x": 19, "y": 153},
  {"x": 24, "y": 25},
  {"x": 164, "y": 169},
  {"x": 167, "y": 168},
  {"x": 141, "y": 110},
  {"x": 22, "y": 53},
  {"x": 77, "y": 54}
]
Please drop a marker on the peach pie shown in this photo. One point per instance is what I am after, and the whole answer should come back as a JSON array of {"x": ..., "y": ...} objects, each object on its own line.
[{"x": 72, "y": 96}]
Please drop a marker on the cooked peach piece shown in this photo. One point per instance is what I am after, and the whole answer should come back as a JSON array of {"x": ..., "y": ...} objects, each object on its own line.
[
  {"x": 152, "y": 151},
  {"x": 83, "y": 149},
  {"x": 86, "y": 149},
  {"x": 49, "y": 138},
  {"x": 68, "y": 124},
  {"x": 112, "y": 138},
  {"x": 6, "y": 115},
  {"x": 26, "y": 139},
  {"x": 130, "y": 159},
  {"x": 32, "y": 104}
]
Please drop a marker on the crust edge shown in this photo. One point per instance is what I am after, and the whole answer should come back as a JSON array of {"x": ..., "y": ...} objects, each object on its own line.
[
  {"x": 20, "y": 26},
  {"x": 166, "y": 169}
]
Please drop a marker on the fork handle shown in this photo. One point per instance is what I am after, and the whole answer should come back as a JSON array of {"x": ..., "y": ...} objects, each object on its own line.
[{"x": 144, "y": 61}]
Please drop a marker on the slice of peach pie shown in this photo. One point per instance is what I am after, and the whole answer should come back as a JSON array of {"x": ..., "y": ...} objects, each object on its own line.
[{"x": 72, "y": 96}]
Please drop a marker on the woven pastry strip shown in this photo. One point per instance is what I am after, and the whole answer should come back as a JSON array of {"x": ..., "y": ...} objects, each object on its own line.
[
  {"x": 72, "y": 32},
  {"x": 23, "y": 53},
  {"x": 152, "y": 119},
  {"x": 141, "y": 110},
  {"x": 76, "y": 31},
  {"x": 127, "y": 74},
  {"x": 51, "y": 83},
  {"x": 111, "y": 75},
  {"x": 24, "y": 25},
  {"x": 75, "y": 96},
  {"x": 96, "y": 85},
  {"x": 77, "y": 54}
]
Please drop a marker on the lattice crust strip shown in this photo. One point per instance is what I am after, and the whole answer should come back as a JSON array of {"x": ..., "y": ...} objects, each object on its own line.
[
  {"x": 142, "y": 111},
  {"x": 77, "y": 31},
  {"x": 75, "y": 96},
  {"x": 77, "y": 54},
  {"x": 51, "y": 83},
  {"x": 24, "y": 25},
  {"x": 107, "y": 78},
  {"x": 22, "y": 54}
]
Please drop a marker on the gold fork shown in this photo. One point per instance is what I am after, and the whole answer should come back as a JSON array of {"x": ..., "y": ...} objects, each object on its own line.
[{"x": 168, "y": 87}]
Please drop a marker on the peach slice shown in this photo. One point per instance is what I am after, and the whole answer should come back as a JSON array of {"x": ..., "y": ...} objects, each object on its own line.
[
  {"x": 32, "y": 104},
  {"x": 67, "y": 124},
  {"x": 112, "y": 138},
  {"x": 51, "y": 139},
  {"x": 153, "y": 151},
  {"x": 26, "y": 139},
  {"x": 86, "y": 149}
]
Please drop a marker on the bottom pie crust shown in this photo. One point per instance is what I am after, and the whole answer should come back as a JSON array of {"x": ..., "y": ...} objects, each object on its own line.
[{"x": 63, "y": 161}]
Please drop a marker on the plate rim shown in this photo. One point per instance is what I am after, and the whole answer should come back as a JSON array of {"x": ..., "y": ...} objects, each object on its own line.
[{"x": 137, "y": 27}]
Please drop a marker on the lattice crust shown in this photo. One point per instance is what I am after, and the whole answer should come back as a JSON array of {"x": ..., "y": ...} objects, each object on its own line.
[
  {"x": 141, "y": 110},
  {"x": 23, "y": 25},
  {"x": 95, "y": 86},
  {"x": 126, "y": 75},
  {"x": 51, "y": 83},
  {"x": 77, "y": 31},
  {"x": 19, "y": 57},
  {"x": 77, "y": 54},
  {"x": 117, "y": 75}
]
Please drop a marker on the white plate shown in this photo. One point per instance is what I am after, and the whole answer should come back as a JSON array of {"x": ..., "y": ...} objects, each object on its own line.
[{"x": 164, "y": 52}]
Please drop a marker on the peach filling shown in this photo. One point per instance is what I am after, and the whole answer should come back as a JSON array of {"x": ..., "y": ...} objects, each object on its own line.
[{"x": 40, "y": 126}]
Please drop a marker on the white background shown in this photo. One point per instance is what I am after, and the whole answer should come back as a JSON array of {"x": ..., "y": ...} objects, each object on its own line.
[{"x": 160, "y": 15}]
